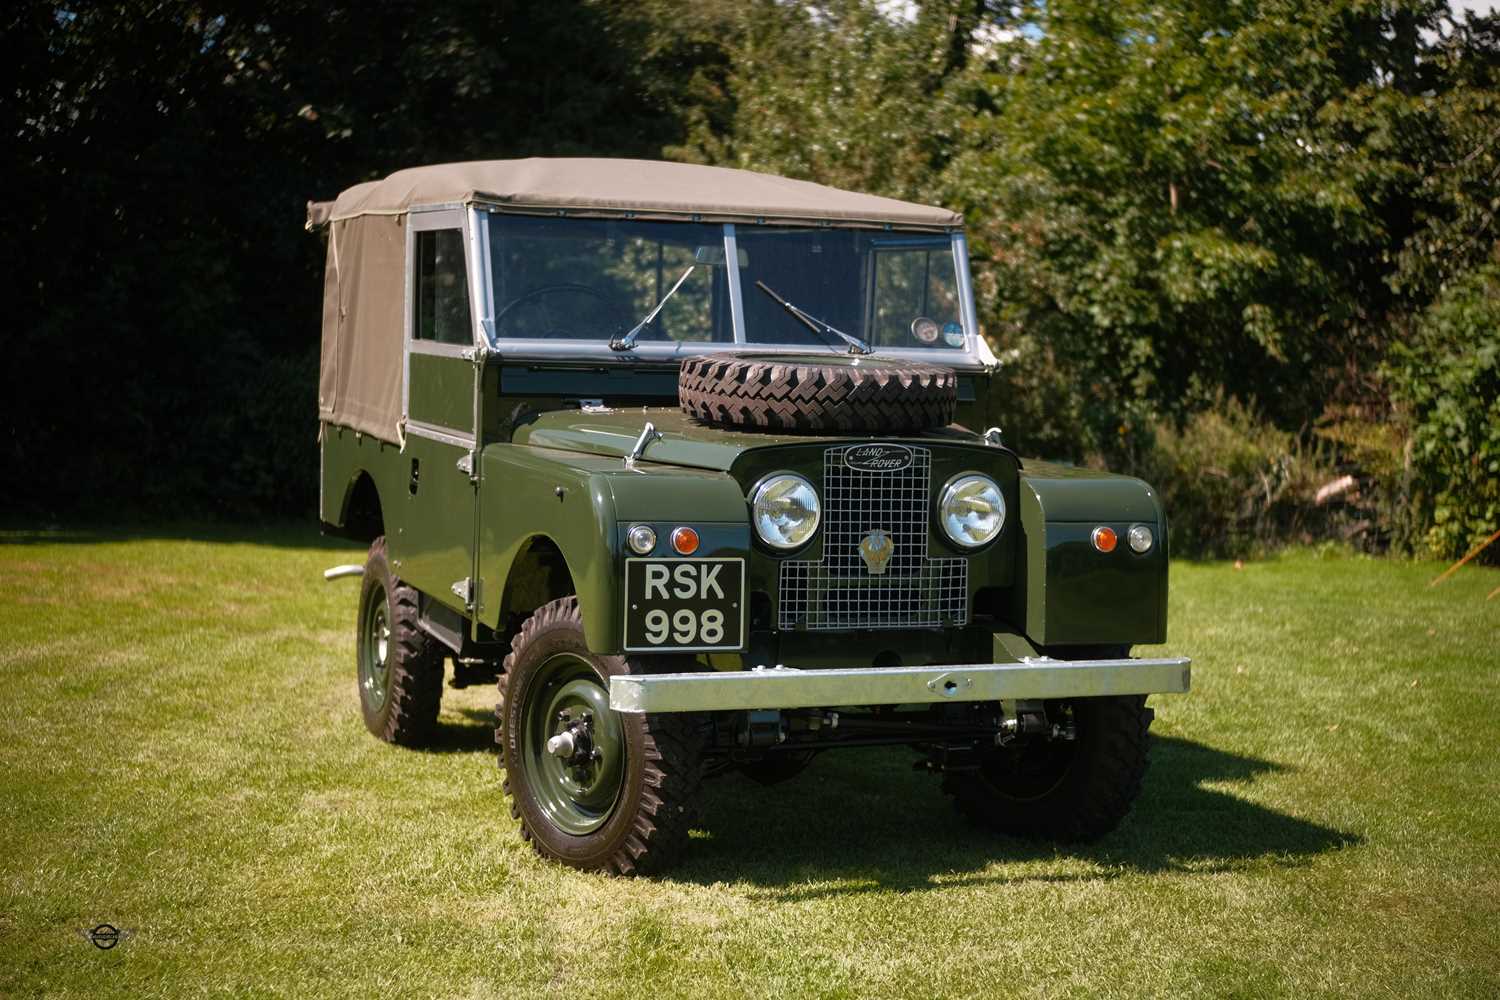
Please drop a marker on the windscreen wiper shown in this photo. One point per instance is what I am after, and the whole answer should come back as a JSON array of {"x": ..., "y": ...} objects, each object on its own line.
[
  {"x": 627, "y": 342},
  {"x": 818, "y": 326}
]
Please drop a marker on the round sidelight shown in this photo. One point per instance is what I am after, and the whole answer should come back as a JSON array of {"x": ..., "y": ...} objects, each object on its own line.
[
  {"x": 1104, "y": 538},
  {"x": 641, "y": 539},
  {"x": 1140, "y": 539},
  {"x": 972, "y": 510},
  {"x": 684, "y": 540},
  {"x": 785, "y": 510}
]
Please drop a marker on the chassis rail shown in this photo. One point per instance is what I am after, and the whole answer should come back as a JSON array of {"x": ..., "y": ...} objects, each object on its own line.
[{"x": 1038, "y": 677}]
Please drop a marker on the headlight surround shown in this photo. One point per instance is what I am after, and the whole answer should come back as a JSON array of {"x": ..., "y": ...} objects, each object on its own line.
[
  {"x": 786, "y": 511},
  {"x": 971, "y": 510}
]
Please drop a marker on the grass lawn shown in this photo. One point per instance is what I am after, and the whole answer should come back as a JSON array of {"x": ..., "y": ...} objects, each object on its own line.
[{"x": 183, "y": 757}]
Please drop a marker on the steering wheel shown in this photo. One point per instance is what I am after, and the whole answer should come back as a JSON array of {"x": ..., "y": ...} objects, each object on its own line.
[{"x": 536, "y": 293}]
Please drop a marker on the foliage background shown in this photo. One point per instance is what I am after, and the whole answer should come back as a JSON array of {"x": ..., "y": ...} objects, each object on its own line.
[{"x": 1244, "y": 249}]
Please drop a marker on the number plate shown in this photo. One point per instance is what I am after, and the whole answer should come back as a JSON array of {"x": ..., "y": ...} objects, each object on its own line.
[{"x": 684, "y": 605}]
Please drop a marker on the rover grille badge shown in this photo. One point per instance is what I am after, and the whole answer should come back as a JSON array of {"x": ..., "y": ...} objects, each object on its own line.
[
  {"x": 876, "y": 549},
  {"x": 878, "y": 457}
]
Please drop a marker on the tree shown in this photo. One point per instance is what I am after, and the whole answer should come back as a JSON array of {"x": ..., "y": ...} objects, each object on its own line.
[
  {"x": 845, "y": 92},
  {"x": 158, "y": 161},
  {"x": 1190, "y": 196}
]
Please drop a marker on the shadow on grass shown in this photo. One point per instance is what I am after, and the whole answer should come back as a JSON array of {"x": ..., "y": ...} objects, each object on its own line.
[
  {"x": 475, "y": 736},
  {"x": 864, "y": 821},
  {"x": 281, "y": 534},
  {"x": 869, "y": 823}
]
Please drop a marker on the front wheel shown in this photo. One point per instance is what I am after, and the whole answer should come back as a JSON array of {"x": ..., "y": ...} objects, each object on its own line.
[
  {"x": 593, "y": 788},
  {"x": 1065, "y": 790}
]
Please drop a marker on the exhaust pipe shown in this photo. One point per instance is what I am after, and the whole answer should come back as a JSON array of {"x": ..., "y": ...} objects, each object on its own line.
[{"x": 339, "y": 572}]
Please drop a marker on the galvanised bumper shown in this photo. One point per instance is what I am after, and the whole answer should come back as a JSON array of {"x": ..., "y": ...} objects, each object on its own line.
[{"x": 782, "y": 687}]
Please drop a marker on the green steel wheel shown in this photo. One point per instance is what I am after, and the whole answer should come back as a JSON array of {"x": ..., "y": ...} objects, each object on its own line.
[
  {"x": 399, "y": 667},
  {"x": 593, "y": 788},
  {"x": 573, "y": 746},
  {"x": 374, "y": 649}
]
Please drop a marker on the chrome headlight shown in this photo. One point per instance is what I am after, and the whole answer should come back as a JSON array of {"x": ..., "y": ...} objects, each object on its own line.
[
  {"x": 785, "y": 510},
  {"x": 972, "y": 510}
]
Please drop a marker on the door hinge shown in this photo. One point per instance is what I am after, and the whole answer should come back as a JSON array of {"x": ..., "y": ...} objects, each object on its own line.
[
  {"x": 467, "y": 591},
  {"x": 466, "y": 466}
]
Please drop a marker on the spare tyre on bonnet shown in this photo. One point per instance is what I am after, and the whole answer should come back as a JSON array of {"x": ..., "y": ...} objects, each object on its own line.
[
  {"x": 700, "y": 466},
  {"x": 818, "y": 394}
]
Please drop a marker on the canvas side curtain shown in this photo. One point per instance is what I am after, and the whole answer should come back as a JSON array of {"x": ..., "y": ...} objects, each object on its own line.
[{"x": 364, "y": 292}]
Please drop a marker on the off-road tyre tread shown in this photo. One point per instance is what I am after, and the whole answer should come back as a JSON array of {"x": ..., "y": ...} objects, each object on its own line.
[
  {"x": 1089, "y": 803},
  {"x": 767, "y": 394},
  {"x": 415, "y": 690},
  {"x": 672, "y": 766}
]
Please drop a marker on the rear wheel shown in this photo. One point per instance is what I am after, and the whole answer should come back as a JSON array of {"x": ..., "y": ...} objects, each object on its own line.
[
  {"x": 593, "y": 788},
  {"x": 1065, "y": 790},
  {"x": 400, "y": 669}
]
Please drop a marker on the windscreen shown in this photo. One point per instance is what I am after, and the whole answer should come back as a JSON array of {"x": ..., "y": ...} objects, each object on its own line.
[
  {"x": 585, "y": 279},
  {"x": 889, "y": 290},
  {"x": 635, "y": 283}
]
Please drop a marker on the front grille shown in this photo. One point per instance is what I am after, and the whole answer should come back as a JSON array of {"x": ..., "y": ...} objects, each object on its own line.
[{"x": 839, "y": 592}]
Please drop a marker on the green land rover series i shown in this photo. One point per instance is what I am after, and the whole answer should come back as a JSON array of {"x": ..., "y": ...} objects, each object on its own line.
[{"x": 699, "y": 464}]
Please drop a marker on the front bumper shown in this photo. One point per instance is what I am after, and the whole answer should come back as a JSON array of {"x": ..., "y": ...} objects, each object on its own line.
[{"x": 783, "y": 687}]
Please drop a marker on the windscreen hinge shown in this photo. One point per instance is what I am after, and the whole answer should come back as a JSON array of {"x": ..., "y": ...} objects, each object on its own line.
[{"x": 649, "y": 433}]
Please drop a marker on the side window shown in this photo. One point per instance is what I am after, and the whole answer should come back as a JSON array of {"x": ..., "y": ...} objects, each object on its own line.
[{"x": 442, "y": 289}]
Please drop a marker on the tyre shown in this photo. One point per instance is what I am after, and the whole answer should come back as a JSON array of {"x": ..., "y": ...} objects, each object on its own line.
[
  {"x": 791, "y": 393},
  {"x": 593, "y": 788},
  {"x": 400, "y": 667},
  {"x": 1063, "y": 790}
]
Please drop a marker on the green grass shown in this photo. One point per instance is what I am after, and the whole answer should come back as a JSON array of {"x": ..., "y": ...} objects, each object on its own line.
[{"x": 183, "y": 757}]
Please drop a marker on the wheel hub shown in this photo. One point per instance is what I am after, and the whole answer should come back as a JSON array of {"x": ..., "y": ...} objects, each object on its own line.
[{"x": 574, "y": 745}]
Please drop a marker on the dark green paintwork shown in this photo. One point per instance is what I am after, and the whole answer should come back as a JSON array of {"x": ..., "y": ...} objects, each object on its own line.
[
  {"x": 442, "y": 391},
  {"x": 1073, "y": 594},
  {"x": 435, "y": 527},
  {"x": 1055, "y": 588},
  {"x": 683, "y": 441},
  {"x": 551, "y": 473}
]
